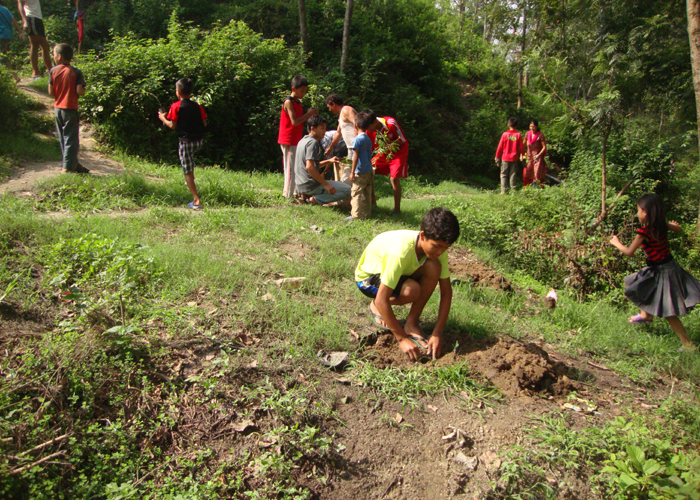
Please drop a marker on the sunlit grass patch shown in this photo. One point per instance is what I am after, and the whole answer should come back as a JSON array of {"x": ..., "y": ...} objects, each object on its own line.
[{"x": 408, "y": 386}]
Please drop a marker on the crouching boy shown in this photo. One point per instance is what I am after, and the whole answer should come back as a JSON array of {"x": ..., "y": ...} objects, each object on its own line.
[{"x": 404, "y": 267}]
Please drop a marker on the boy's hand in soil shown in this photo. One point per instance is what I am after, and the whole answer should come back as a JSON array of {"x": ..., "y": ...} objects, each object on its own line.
[
  {"x": 434, "y": 346},
  {"x": 410, "y": 349}
]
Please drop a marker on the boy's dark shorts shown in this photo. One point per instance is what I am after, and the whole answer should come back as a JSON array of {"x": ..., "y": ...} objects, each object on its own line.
[
  {"x": 35, "y": 27},
  {"x": 186, "y": 150},
  {"x": 370, "y": 286}
]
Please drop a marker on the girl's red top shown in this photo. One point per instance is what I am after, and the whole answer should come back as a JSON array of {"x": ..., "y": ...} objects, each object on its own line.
[
  {"x": 656, "y": 251},
  {"x": 290, "y": 135}
]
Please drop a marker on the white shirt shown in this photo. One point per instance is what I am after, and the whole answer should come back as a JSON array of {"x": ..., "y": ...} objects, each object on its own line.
[{"x": 32, "y": 8}]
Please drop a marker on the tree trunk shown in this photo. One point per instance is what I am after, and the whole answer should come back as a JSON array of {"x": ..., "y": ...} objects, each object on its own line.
[
  {"x": 604, "y": 185},
  {"x": 303, "y": 31},
  {"x": 346, "y": 36},
  {"x": 693, "y": 9},
  {"x": 521, "y": 73}
]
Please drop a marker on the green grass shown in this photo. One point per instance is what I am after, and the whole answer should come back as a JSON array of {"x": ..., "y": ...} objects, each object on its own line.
[{"x": 147, "y": 274}]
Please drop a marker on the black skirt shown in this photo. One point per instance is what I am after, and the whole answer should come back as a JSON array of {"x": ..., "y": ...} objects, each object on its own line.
[{"x": 663, "y": 290}]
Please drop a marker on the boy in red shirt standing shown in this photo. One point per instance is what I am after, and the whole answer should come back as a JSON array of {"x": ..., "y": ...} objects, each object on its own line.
[
  {"x": 292, "y": 120},
  {"x": 393, "y": 164},
  {"x": 510, "y": 149},
  {"x": 189, "y": 119},
  {"x": 66, "y": 83}
]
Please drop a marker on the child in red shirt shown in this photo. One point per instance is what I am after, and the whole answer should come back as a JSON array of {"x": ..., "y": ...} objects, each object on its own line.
[
  {"x": 292, "y": 120},
  {"x": 66, "y": 83},
  {"x": 189, "y": 119},
  {"x": 393, "y": 164},
  {"x": 510, "y": 149}
]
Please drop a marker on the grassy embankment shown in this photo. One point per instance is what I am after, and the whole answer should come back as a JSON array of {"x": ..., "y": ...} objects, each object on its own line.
[{"x": 148, "y": 282}]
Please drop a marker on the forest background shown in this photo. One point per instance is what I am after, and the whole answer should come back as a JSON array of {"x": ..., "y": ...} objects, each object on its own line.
[{"x": 610, "y": 83}]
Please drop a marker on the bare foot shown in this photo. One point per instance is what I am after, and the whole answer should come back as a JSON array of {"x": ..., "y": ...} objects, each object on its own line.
[{"x": 413, "y": 330}]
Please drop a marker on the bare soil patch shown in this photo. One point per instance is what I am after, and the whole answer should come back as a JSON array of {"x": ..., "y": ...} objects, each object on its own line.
[
  {"x": 31, "y": 173},
  {"x": 465, "y": 266}
]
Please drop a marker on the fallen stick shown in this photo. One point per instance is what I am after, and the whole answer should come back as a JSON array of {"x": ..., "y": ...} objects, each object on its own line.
[
  {"x": 598, "y": 366},
  {"x": 45, "y": 459},
  {"x": 44, "y": 445}
]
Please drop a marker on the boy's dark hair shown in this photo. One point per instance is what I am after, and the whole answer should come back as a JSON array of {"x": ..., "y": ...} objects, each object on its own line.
[
  {"x": 334, "y": 99},
  {"x": 66, "y": 51},
  {"x": 299, "y": 81},
  {"x": 363, "y": 120},
  {"x": 372, "y": 115},
  {"x": 440, "y": 224},
  {"x": 653, "y": 205},
  {"x": 185, "y": 86},
  {"x": 315, "y": 121},
  {"x": 512, "y": 122}
]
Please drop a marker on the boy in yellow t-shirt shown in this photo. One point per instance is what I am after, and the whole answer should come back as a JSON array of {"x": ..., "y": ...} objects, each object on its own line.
[{"x": 404, "y": 267}]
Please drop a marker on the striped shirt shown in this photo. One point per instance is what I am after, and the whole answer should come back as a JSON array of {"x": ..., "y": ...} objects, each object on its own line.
[{"x": 656, "y": 251}]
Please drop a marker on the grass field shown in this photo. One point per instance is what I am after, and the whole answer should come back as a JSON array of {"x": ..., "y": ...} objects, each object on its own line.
[{"x": 148, "y": 353}]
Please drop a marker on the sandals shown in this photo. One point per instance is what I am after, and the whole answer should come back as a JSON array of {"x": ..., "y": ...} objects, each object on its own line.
[
  {"x": 416, "y": 339},
  {"x": 638, "y": 319},
  {"x": 374, "y": 317}
]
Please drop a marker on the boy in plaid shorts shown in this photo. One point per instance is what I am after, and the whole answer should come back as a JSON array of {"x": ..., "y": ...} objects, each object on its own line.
[{"x": 189, "y": 119}]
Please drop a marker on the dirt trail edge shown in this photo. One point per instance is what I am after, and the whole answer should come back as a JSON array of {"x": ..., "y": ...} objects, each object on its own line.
[{"x": 31, "y": 173}]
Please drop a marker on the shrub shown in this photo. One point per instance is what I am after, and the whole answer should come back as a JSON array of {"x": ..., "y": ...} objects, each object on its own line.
[{"x": 240, "y": 80}]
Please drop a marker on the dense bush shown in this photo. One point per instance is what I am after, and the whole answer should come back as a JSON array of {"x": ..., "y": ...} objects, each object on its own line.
[{"x": 240, "y": 80}]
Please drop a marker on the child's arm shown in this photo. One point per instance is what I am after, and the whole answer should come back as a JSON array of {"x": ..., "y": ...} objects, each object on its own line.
[
  {"x": 674, "y": 226},
  {"x": 499, "y": 150},
  {"x": 385, "y": 311},
  {"x": 435, "y": 341},
  {"x": 355, "y": 159},
  {"x": 19, "y": 29},
  {"x": 298, "y": 120},
  {"x": 80, "y": 89},
  {"x": 20, "y": 7},
  {"x": 627, "y": 251},
  {"x": 168, "y": 123}
]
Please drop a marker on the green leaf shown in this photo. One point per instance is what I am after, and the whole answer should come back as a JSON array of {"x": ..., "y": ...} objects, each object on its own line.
[
  {"x": 651, "y": 466},
  {"x": 628, "y": 480},
  {"x": 636, "y": 455}
]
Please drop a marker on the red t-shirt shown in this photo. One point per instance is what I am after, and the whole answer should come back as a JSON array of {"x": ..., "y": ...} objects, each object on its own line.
[
  {"x": 394, "y": 132},
  {"x": 290, "y": 135},
  {"x": 189, "y": 117},
  {"x": 64, "y": 79},
  {"x": 511, "y": 146}
]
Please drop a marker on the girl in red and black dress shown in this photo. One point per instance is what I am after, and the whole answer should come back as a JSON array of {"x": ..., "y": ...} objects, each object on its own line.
[{"x": 663, "y": 288}]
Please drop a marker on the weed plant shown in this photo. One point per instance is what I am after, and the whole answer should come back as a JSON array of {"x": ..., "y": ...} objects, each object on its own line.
[{"x": 645, "y": 459}]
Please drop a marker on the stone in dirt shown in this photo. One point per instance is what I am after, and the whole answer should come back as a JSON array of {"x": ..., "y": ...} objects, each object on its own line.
[
  {"x": 490, "y": 460},
  {"x": 332, "y": 359}
]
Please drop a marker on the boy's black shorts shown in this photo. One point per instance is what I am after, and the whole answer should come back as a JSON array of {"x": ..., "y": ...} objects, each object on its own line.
[
  {"x": 35, "y": 27},
  {"x": 370, "y": 286}
]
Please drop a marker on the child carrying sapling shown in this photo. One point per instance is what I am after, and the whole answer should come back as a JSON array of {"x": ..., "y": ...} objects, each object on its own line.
[{"x": 663, "y": 288}]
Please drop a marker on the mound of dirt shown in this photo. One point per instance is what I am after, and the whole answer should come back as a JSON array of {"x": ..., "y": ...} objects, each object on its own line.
[
  {"x": 466, "y": 267},
  {"x": 516, "y": 369},
  {"x": 519, "y": 369}
]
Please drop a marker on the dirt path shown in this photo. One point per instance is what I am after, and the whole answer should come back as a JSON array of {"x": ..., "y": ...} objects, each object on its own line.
[{"x": 31, "y": 173}]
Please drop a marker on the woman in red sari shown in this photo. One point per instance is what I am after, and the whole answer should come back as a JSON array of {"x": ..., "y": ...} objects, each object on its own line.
[{"x": 536, "y": 149}]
